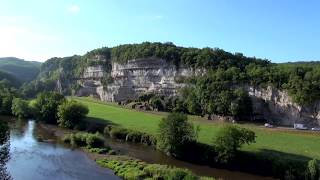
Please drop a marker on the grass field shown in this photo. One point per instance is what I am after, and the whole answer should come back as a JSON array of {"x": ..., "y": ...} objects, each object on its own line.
[{"x": 291, "y": 142}]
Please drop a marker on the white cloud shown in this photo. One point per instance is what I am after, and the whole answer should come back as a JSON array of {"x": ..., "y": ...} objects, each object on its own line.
[{"x": 74, "y": 9}]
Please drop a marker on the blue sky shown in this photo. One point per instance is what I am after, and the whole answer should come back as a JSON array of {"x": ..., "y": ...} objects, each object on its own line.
[{"x": 279, "y": 30}]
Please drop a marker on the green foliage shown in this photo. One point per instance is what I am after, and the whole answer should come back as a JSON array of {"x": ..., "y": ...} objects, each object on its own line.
[
  {"x": 129, "y": 135},
  {"x": 7, "y": 94},
  {"x": 20, "y": 108},
  {"x": 145, "y": 97},
  {"x": 105, "y": 150},
  {"x": 192, "y": 57},
  {"x": 214, "y": 93},
  {"x": 118, "y": 133},
  {"x": 46, "y": 106},
  {"x": 313, "y": 170},
  {"x": 23, "y": 71},
  {"x": 157, "y": 103},
  {"x": 174, "y": 133},
  {"x": 71, "y": 113},
  {"x": 81, "y": 139},
  {"x": 228, "y": 141},
  {"x": 30, "y": 90},
  {"x": 9, "y": 79},
  {"x": 135, "y": 169}
]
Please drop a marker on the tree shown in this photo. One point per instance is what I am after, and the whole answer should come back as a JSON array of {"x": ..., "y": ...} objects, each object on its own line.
[
  {"x": 20, "y": 108},
  {"x": 6, "y": 103},
  {"x": 7, "y": 94},
  {"x": 175, "y": 133},
  {"x": 229, "y": 140},
  {"x": 71, "y": 113},
  {"x": 46, "y": 106},
  {"x": 156, "y": 103}
]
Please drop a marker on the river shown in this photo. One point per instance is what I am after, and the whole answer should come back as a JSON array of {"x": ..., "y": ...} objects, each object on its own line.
[
  {"x": 36, "y": 155},
  {"x": 31, "y": 159}
]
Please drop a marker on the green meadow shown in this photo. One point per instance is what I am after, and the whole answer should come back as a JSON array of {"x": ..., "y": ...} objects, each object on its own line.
[{"x": 300, "y": 143}]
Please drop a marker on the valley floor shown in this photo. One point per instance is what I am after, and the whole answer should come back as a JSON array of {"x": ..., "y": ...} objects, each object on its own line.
[{"x": 283, "y": 142}]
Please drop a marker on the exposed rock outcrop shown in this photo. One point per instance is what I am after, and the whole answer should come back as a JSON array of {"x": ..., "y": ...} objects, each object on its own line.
[
  {"x": 138, "y": 76},
  {"x": 157, "y": 76},
  {"x": 143, "y": 76},
  {"x": 277, "y": 106}
]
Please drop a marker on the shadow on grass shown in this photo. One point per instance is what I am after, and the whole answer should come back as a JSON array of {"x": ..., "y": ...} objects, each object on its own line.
[
  {"x": 97, "y": 124},
  {"x": 265, "y": 162},
  {"x": 268, "y": 162}
]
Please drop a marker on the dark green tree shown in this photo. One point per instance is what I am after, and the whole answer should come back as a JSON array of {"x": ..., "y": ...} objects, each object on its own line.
[
  {"x": 228, "y": 141},
  {"x": 71, "y": 113},
  {"x": 20, "y": 108},
  {"x": 175, "y": 133},
  {"x": 46, "y": 106}
]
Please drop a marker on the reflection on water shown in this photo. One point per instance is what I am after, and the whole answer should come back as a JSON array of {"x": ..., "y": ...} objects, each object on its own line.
[
  {"x": 31, "y": 159},
  {"x": 4, "y": 151},
  {"x": 4, "y": 157}
]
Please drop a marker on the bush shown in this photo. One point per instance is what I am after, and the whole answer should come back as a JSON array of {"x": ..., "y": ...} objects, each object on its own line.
[
  {"x": 157, "y": 103},
  {"x": 71, "y": 113},
  {"x": 313, "y": 170},
  {"x": 148, "y": 139},
  {"x": 129, "y": 135},
  {"x": 84, "y": 139},
  {"x": 134, "y": 169},
  {"x": 175, "y": 132},
  {"x": 229, "y": 140},
  {"x": 94, "y": 140},
  {"x": 134, "y": 136},
  {"x": 118, "y": 133},
  {"x": 20, "y": 108}
]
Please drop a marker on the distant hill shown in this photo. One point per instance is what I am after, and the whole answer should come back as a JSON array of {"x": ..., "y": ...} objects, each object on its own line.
[
  {"x": 10, "y": 79},
  {"x": 22, "y": 70}
]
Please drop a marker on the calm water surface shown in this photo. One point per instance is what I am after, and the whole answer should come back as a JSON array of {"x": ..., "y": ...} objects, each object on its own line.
[{"x": 31, "y": 159}]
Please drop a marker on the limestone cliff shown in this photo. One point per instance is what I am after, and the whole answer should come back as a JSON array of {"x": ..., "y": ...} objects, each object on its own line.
[
  {"x": 277, "y": 106},
  {"x": 160, "y": 77},
  {"x": 138, "y": 76}
]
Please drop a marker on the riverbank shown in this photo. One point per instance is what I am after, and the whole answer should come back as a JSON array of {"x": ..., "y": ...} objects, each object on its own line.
[{"x": 137, "y": 152}]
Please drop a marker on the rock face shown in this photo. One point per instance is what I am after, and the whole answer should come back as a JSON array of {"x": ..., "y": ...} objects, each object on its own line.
[
  {"x": 276, "y": 106},
  {"x": 138, "y": 76},
  {"x": 157, "y": 76},
  {"x": 90, "y": 81},
  {"x": 143, "y": 76}
]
